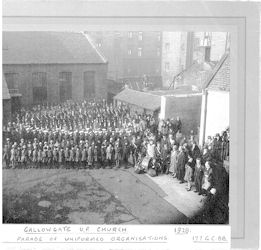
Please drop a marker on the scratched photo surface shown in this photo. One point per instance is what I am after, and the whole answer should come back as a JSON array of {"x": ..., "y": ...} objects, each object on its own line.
[{"x": 115, "y": 127}]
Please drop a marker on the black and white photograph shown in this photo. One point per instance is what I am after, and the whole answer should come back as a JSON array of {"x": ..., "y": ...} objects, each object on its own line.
[{"x": 115, "y": 127}]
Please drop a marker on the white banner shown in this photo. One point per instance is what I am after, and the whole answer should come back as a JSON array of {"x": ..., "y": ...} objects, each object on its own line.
[{"x": 118, "y": 237}]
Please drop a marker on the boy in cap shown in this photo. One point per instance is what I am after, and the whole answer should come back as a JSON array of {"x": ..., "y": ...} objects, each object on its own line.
[
  {"x": 84, "y": 156},
  {"x": 60, "y": 157},
  {"x": 77, "y": 156},
  {"x": 95, "y": 156},
  {"x": 109, "y": 152},
  {"x": 117, "y": 156},
  {"x": 34, "y": 157},
  {"x": 67, "y": 157},
  {"x": 24, "y": 156},
  {"x": 90, "y": 156},
  {"x": 198, "y": 174}
]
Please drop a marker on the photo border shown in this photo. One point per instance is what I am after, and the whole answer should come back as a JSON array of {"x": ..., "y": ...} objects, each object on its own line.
[{"x": 239, "y": 18}]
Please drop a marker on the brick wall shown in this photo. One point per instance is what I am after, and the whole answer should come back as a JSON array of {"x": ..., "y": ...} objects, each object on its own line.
[
  {"x": 221, "y": 80},
  {"x": 26, "y": 85},
  {"x": 188, "y": 108}
]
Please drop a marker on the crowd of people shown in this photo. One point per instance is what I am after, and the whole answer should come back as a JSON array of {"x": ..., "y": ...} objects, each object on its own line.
[{"x": 95, "y": 134}]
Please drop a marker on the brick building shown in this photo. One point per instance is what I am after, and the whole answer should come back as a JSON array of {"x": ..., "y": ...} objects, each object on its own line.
[
  {"x": 52, "y": 67},
  {"x": 174, "y": 53},
  {"x": 131, "y": 54},
  {"x": 189, "y": 57},
  {"x": 160, "y": 55}
]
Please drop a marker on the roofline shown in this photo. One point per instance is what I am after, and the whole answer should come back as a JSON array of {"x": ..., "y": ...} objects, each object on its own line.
[
  {"x": 215, "y": 70},
  {"x": 129, "y": 103},
  {"x": 136, "y": 104},
  {"x": 184, "y": 95},
  {"x": 94, "y": 47},
  {"x": 148, "y": 93},
  {"x": 100, "y": 63},
  {"x": 218, "y": 90}
]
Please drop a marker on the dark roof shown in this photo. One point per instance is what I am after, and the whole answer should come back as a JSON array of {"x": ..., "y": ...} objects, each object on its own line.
[
  {"x": 5, "y": 91},
  {"x": 180, "y": 90},
  {"x": 196, "y": 74},
  {"x": 36, "y": 47},
  {"x": 138, "y": 98},
  {"x": 220, "y": 76}
]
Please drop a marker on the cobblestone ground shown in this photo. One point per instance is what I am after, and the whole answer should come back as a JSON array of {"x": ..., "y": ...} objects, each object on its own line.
[{"x": 102, "y": 196}]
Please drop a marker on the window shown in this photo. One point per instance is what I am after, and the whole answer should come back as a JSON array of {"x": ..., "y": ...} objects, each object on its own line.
[
  {"x": 130, "y": 34},
  {"x": 167, "y": 45},
  {"x": 129, "y": 52},
  {"x": 139, "y": 51},
  {"x": 12, "y": 80},
  {"x": 65, "y": 86},
  {"x": 140, "y": 36},
  {"x": 39, "y": 81},
  {"x": 158, "y": 51},
  {"x": 167, "y": 66}
]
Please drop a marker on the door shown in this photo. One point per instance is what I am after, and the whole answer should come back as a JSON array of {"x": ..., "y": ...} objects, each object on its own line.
[
  {"x": 65, "y": 83},
  {"x": 39, "y": 87},
  {"x": 89, "y": 84}
]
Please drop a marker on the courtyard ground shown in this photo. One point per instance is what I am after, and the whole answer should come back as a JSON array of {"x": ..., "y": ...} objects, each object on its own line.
[{"x": 94, "y": 196}]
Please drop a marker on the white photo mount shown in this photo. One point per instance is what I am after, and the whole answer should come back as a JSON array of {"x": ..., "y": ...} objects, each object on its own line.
[{"x": 239, "y": 18}]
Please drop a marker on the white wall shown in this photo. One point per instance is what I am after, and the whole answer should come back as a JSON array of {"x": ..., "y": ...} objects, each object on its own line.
[{"x": 217, "y": 119}]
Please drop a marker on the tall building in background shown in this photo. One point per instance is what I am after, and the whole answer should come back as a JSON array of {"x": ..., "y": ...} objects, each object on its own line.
[
  {"x": 131, "y": 54},
  {"x": 174, "y": 55},
  {"x": 168, "y": 59}
]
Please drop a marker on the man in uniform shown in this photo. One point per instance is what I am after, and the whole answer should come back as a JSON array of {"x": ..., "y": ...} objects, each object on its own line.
[
  {"x": 181, "y": 162},
  {"x": 125, "y": 151}
]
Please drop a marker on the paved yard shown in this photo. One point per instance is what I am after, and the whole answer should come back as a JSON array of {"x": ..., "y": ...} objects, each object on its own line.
[{"x": 97, "y": 196}]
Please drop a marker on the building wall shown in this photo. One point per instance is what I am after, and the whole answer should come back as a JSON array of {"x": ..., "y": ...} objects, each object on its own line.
[
  {"x": 6, "y": 110},
  {"x": 149, "y": 62},
  {"x": 115, "y": 46},
  {"x": 188, "y": 108},
  {"x": 218, "y": 45},
  {"x": 217, "y": 115},
  {"x": 173, "y": 53},
  {"x": 26, "y": 82}
]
